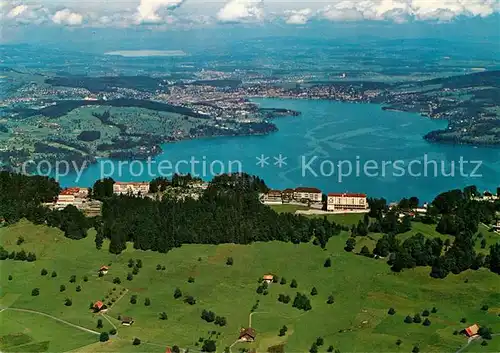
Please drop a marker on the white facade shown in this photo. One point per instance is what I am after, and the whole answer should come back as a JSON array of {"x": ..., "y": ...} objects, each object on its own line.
[{"x": 347, "y": 202}]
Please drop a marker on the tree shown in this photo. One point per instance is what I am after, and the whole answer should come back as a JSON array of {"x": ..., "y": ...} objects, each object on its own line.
[
  {"x": 104, "y": 337},
  {"x": 62, "y": 288},
  {"x": 68, "y": 302},
  {"x": 328, "y": 263},
  {"x": 330, "y": 300},
  {"x": 425, "y": 313},
  {"x": 43, "y": 272},
  {"x": 330, "y": 349},
  {"x": 78, "y": 288},
  {"x": 117, "y": 280},
  {"x": 314, "y": 348},
  {"x": 147, "y": 302},
  {"x": 391, "y": 311},
  {"x": 417, "y": 319},
  {"x": 320, "y": 341},
  {"x": 10, "y": 277},
  {"x": 176, "y": 349},
  {"x": 485, "y": 333},
  {"x": 434, "y": 310},
  {"x": 209, "y": 346},
  {"x": 399, "y": 342},
  {"x": 112, "y": 331},
  {"x": 129, "y": 276},
  {"x": 365, "y": 251},
  {"x": 485, "y": 307},
  {"x": 85, "y": 279},
  {"x": 408, "y": 319},
  {"x": 415, "y": 349},
  {"x": 190, "y": 300},
  {"x": 133, "y": 299},
  {"x": 350, "y": 244},
  {"x": 136, "y": 341},
  {"x": 293, "y": 284},
  {"x": 53, "y": 274},
  {"x": 158, "y": 267},
  {"x": 72, "y": 279},
  {"x": 139, "y": 263},
  {"x": 283, "y": 281},
  {"x": 483, "y": 243},
  {"x": 191, "y": 280},
  {"x": 163, "y": 316},
  {"x": 229, "y": 261},
  {"x": 135, "y": 270},
  {"x": 463, "y": 320},
  {"x": 99, "y": 323},
  {"x": 427, "y": 322},
  {"x": 314, "y": 291},
  {"x": 177, "y": 293},
  {"x": 20, "y": 240},
  {"x": 35, "y": 292}
]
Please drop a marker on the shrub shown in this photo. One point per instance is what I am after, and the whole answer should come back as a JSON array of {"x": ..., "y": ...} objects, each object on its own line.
[
  {"x": 78, "y": 288},
  {"x": 484, "y": 343},
  {"x": 408, "y": 319},
  {"x": 20, "y": 240},
  {"x": 229, "y": 261},
  {"x": 103, "y": 337},
  {"x": 136, "y": 341},
  {"x": 427, "y": 322},
  {"x": 35, "y": 292},
  {"x": 53, "y": 274},
  {"x": 425, "y": 313},
  {"x": 43, "y": 272},
  {"x": 135, "y": 270},
  {"x": 391, "y": 311},
  {"x": 139, "y": 263}
]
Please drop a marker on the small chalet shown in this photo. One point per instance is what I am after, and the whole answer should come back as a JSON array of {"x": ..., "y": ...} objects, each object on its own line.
[
  {"x": 127, "y": 321},
  {"x": 268, "y": 278},
  {"x": 247, "y": 334},
  {"x": 472, "y": 331},
  {"x": 103, "y": 270},
  {"x": 99, "y": 307}
]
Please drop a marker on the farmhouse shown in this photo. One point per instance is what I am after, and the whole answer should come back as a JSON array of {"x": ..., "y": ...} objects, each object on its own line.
[
  {"x": 99, "y": 307},
  {"x": 472, "y": 331},
  {"x": 268, "y": 278},
  {"x": 131, "y": 188},
  {"x": 247, "y": 334},
  {"x": 127, "y": 321},
  {"x": 103, "y": 270},
  {"x": 346, "y": 202},
  {"x": 309, "y": 194}
]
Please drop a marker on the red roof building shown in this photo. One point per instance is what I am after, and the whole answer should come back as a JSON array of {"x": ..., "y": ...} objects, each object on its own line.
[{"x": 98, "y": 305}]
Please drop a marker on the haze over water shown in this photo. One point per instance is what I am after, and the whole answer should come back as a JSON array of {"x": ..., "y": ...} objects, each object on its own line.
[{"x": 332, "y": 132}]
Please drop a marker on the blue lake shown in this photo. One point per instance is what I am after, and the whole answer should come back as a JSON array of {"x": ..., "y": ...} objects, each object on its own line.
[{"x": 381, "y": 153}]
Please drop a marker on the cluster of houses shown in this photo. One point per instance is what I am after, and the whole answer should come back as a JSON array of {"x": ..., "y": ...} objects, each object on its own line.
[
  {"x": 131, "y": 188},
  {"x": 345, "y": 202},
  {"x": 78, "y": 197}
]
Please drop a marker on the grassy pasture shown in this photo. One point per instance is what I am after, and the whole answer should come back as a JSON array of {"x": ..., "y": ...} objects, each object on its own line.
[{"x": 364, "y": 289}]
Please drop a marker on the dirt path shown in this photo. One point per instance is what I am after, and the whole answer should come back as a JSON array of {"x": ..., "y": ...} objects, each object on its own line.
[{"x": 54, "y": 318}]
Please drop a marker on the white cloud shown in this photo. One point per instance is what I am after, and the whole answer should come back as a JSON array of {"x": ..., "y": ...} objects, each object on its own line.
[
  {"x": 17, "y": 11},
  {"x": 401, "y": 10},
  {"x": 242, "y": 11},
  {"x": 298, "y": 17},
  {"x": 148, "y": 10},
  {"x": 66, "y": 17}
]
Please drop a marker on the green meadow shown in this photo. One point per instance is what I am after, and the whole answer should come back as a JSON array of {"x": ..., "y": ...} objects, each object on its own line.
[{"x": 358, "y": 320}]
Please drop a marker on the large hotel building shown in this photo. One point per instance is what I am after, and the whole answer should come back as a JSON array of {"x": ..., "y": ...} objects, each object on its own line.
[{"x": 346, "y": 202}]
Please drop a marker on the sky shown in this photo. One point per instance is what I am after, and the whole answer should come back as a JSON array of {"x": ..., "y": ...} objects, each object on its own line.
[{"x": 28, "y": 19}]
